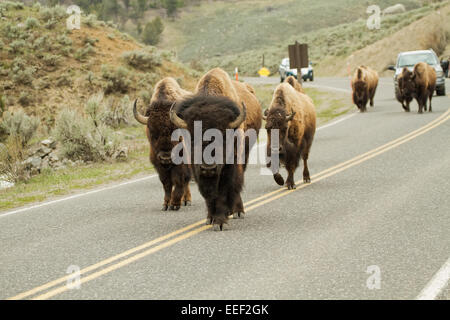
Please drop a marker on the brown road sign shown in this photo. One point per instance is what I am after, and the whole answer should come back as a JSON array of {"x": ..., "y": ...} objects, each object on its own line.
[{"x": 298, "y": 56}]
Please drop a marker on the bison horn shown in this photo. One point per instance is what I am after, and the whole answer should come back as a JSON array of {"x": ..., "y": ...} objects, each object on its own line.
[
  {"x": 291, "y": 116},
  {"x": 241, "y": 118},
  {"x": 139, "y": 117},
  {"x": 265, "y": 114},
  {"x": 176, "y": 120}
]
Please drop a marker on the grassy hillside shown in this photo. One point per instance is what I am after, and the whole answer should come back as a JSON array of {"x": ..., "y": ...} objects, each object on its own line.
[
  {"x": 431, "y": 31},
  {"x": 225, "y": 30},
  {"x": 44, "y": 66}
]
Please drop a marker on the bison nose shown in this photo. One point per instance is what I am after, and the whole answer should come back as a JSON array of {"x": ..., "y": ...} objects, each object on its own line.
[
  {"x": 208, "y": 169},
  {"x": 165, "y": 157}
]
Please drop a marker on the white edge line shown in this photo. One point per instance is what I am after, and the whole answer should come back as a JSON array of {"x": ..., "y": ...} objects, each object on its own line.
[
  {"x": 76, "y": 196},
  {"x": 261, "y": 144},
  {"x": 439, "y": 281}
]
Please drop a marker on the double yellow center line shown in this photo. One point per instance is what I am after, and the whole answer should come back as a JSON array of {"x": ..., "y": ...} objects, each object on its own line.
[{"x": 120, "y": 260}]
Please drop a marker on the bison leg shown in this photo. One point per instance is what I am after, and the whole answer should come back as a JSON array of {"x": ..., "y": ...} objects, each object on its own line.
[
  {"x": 290, "y": 179},
  {"x": 238, "y": 211},
  {"x": 177, "y": 194},
  {"x": 187, "y": 198},
  {"x": 306, "y": 177},
  {"x": 167, "y": 194},
  {"x": 431, "y": 97}
]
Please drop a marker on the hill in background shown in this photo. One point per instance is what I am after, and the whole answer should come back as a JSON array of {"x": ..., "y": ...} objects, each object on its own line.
[{"x": 44, "y": 66}]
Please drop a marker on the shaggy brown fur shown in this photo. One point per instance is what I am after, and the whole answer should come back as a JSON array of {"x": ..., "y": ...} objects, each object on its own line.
[
  {"x": 294, "y": 115},
  {"x": 419, "y": 84},
  {"x": 364, "y": 85},
  {"x": 400, "y": 95},
  {"x": 294, "y": 83},
  {"x": 175, "y": 178},
  {"x": 216, "y": 82},
  {"x": 221, "y": 183}
]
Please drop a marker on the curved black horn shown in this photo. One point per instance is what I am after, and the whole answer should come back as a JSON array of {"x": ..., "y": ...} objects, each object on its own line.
[
  {"x": 241, "y": 118},
  {"x": 176, "y": 120},
  {"x": 139, "y": 117}
]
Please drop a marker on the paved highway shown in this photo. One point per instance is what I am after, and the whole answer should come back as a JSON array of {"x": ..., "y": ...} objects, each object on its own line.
[{"x": 373, "y": 224}]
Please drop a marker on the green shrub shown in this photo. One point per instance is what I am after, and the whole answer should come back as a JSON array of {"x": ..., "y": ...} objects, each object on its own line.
[
  {"x": 19, "y": 125},
  {"x": 117, "y": 115},
  {"x": 17, "y": 46},
  {"x": 51, "y": 60},
  {"x": 7, "y": 5},
  {"x": 20, "y": 73},
  {"x": 82, "y": 53},
  {"x": 56, "y": 13},
  {"x": 91, "y": 20},
  {"x": 116, "y": 79},
  {"x": 64, "y": 40},
  {"x": 142, "y": 59},
  {"x": 31, "y": 23},
  {"x": 12, "y": 166},
  {"x": 84, "y": 138}
]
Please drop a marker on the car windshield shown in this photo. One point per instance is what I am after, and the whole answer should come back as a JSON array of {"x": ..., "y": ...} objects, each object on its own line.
[{"x": 409, "y": 60}]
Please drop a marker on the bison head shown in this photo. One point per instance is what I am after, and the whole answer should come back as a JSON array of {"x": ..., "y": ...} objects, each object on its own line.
[
  {"x": 209, "y": 112},
  {"x": 277, "y": 119},
  {"x": 159, "y": 130}
]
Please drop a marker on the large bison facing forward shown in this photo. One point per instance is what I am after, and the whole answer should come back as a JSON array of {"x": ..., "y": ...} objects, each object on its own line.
[
  {"x": 404, "y": 99},
  {"x": 419, "y": 84},
  {"x": 159, "y": 128},
  {"x": 364, "y": 85},
  {"x": 292, "y": 113},
  {"x": 221, "y": 182},
  {"x": 217, "y": 83}
]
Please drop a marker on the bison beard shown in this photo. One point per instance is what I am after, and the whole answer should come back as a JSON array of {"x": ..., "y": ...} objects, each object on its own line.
[{"x": 219, "y": 184}]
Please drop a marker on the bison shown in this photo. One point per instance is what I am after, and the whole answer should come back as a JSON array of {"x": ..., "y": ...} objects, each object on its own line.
[
  {"x": 293, "y": 82},
  {"x": 364, "y": 84},
  {"x": 404, "y": 99},
  {"x": 220, "y": 184},
  {"x": 292, "y": 113},
  {"x": 217, "y": 84},
  {"x": 419, "y": 84},
  {"x": 174, "y": 178}
]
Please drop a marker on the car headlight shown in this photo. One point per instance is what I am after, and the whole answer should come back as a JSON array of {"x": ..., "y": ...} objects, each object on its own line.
[{"x": 439, "y": 74}]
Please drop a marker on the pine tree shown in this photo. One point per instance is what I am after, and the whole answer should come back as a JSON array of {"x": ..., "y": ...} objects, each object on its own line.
[{"x": 152, "y": 31}]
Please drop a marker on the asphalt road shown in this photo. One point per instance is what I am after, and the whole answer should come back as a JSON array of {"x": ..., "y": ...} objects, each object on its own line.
[{"x": 378, "y": 201}]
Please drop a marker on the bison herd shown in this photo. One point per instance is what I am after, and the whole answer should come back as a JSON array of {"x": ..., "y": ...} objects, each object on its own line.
[
  {"x": 418, "y": 84},
  {"x": 224, "y": 105}
]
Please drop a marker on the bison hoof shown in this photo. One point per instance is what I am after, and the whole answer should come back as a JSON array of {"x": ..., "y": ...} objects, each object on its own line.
[
  {"x": 174, "y": 208},
  {"x": 165, "y": 207},
  {"x": 278, "y": 179},
  {"x": 238, "y": 215},
  {"x": 291, "y": 186},
  {"x": 307, "y": 180},
  {"x": 218, "y": 227},
  {"x": 187, "y": 203},
  {"x": 208, "y": 221}
]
